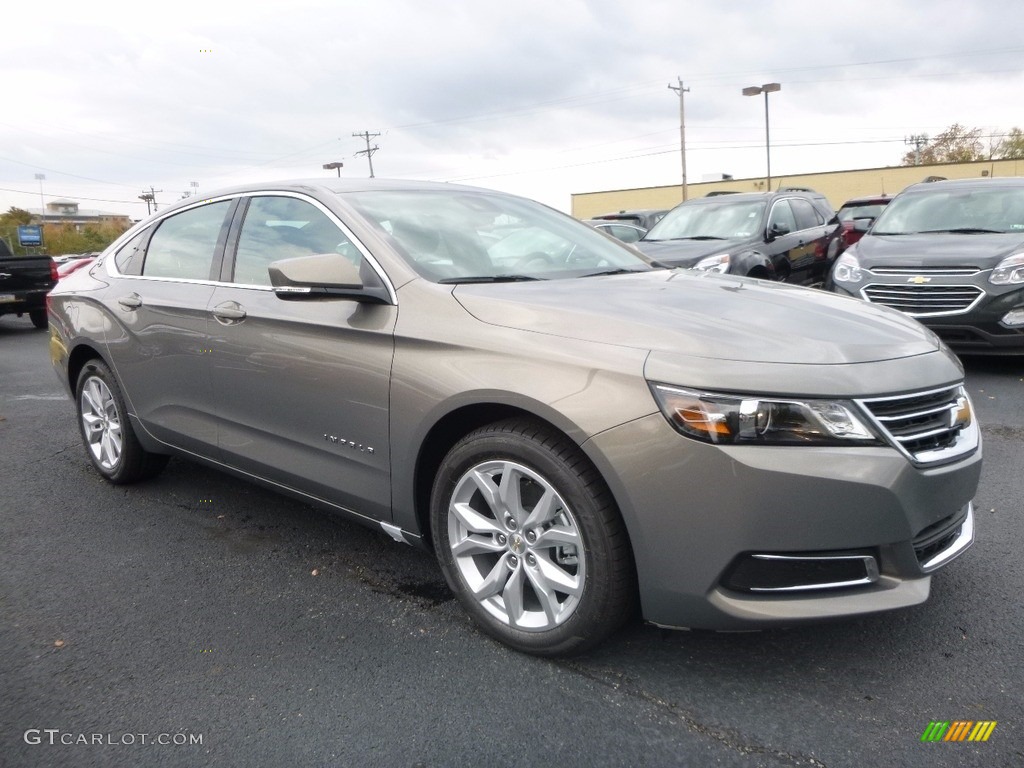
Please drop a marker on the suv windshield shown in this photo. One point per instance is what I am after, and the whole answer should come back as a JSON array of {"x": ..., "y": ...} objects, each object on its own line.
[
  {"x": 726, "y": 220},
  {"x": 467, "y": 236},
  {"x": 999, "y": 209}
]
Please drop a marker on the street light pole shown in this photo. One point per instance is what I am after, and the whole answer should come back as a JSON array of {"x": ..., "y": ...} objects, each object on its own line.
[
  {"x": 754, "y": 90},
  {"x": 41, "y": 177}
]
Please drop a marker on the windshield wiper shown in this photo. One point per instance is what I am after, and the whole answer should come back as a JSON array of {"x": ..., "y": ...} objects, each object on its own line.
[
  {"x": 962, "y": 231},
  {"x": 489, "y": 279},
  {"x": 691, "y": 237},
  {"x": 617, "y": 271}
]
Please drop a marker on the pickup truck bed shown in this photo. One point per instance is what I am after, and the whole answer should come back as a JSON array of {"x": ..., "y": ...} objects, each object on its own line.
[{"x": 24, "y": 283}]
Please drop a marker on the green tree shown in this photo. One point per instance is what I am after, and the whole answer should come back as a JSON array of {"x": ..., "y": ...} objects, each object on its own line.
[
  {"x": 956, "y": 144},
  {"x": 1010, "y": 147},
  {"x": 9, "y": 223}
]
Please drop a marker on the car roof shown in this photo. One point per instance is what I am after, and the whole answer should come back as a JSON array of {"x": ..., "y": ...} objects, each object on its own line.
[
  {"x": 1007, "y": 182},
  {"x": 869, "y": 200},
  {"x": 329, "y": 185}
]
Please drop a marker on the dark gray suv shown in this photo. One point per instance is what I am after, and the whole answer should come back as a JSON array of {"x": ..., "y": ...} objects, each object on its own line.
[
  {"x": 951, "y": 255},
  {"x": 775, "y": 236}
]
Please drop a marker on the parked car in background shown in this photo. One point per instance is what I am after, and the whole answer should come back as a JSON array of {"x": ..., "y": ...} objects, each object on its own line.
[
  {"x": 643, "y": 218},
  {"x": 774, "y": 236},
  {"x": 852, "y": 220},
  {"x": 24, "y": 283},
  {"x": 951, "y": 255},
  {"x": 627, "y": 233},
  {"x": 568, "y": 426},
  {"x": 70, "y": 265}
]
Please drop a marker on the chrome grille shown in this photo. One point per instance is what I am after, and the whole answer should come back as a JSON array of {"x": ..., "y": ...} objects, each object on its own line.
[
  {"x": 931, "y": 271},
  {"x": 930, "y": 427},
  {"x": 925, "y": 300}
]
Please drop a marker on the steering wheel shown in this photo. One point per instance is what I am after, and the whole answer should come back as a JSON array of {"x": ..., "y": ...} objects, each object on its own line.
[{"x": 537, "y": 257}]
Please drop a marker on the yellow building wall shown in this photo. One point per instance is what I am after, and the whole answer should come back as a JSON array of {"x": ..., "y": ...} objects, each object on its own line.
[{"x": 837, "y": 186}]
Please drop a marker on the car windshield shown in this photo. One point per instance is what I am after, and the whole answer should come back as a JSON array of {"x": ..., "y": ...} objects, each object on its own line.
[
  {"x": 726, "y": 220},
  {"x": 475, "y": 236},
  {"x": 995, "y": 209}
]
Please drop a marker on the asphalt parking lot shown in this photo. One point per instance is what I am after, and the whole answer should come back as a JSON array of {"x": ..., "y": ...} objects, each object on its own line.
[{"x": 259, "y": 631}]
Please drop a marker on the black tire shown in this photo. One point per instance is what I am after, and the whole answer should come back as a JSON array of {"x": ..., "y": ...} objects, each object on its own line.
[
  {"x": 110, "y": 442},
  {"x": 546, "y": 471},
  {"x": 39, "y": 318}
]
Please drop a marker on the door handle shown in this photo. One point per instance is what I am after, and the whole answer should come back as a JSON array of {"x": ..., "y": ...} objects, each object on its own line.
[
  {"x": 130, "y": 302},
  {"x": 229, "y": 312}
]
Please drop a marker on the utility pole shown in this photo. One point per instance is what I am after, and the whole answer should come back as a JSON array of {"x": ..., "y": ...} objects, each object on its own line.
[
  {"x": 366, "y": 135},
  {"x": 916, "y": 141},
  {"x": 150, "y": 198},
  {"x": 682, "y": 128}
]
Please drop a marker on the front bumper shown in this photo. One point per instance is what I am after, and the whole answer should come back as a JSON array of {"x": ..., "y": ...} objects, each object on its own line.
[
  {"x": 979, "y": 330},
  {"x": 695, "y": 510}
]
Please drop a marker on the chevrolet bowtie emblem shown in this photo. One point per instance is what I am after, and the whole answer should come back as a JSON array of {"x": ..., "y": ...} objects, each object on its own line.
[{"x": 919, "y": 280}]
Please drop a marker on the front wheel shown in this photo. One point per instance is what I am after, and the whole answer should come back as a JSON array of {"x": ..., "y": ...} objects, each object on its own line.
[
  {"x": 106, "y": 431},
  {"x": 530, "y": 540}
]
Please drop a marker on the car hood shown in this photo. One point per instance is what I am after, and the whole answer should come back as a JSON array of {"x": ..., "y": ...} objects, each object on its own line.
[
  {"x": 937, "y": 250},
  {"x": 684, "y": 253},
  {"x": 695, "y": 314}
]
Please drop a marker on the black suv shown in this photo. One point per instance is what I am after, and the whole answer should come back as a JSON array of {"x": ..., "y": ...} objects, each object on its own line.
[
  {"x": 772, "y": 235},
  {"x": 951, "y": 254}
]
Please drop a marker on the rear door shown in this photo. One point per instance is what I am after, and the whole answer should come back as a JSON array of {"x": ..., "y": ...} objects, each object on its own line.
[
  {"x": 302, "y": 386},
  {"x": 158, "y": 344},
  {"x": 796, "y": 245}
]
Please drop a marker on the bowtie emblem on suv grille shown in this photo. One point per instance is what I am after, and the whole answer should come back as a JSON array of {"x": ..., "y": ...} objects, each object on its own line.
[{"x": 919, "y": 280}]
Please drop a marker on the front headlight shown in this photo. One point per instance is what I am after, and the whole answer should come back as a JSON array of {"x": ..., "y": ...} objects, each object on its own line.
[
  {"x": 749, "y": 420},
  {"x": 1009, "y": 271},
  {"x": 847, "y": 270},
  {"x": 719, "y": 263}
]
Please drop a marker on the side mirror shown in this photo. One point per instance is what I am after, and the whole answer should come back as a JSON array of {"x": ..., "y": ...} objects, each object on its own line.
[
  {"x": 323, "y": 275},
  {"x": 863, "y": 224},
  {"x": 777, "y": 229}
]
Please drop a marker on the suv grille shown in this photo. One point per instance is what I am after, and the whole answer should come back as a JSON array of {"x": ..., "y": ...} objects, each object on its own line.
[
  {"x": 934, "y": 271},
  {"x": 933, "y": 426},
  {"x": 923, "y": 300}
]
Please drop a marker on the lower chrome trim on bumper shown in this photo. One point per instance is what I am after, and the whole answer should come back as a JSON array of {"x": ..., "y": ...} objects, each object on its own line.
[{"x": 959, "y": 545}]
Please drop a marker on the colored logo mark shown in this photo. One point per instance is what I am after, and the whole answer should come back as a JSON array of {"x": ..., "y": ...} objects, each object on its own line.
[{"x": 958, "y": 730}]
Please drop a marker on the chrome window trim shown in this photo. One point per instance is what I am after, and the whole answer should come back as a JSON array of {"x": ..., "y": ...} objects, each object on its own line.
[
  {"x": 113, "y": 271},
  {"x": 871, "y": 573}
]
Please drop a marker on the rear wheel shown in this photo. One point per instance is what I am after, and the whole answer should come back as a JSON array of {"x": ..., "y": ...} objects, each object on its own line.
[
  {"x": 106, "y": 431},
  {"x": 529, "y": 538},
  {"x": 39, "y": 318}
]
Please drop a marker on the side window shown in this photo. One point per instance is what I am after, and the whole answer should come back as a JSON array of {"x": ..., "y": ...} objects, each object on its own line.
[
  {"x": 183, "y": 245},
  {"x": 284, "y": 228},
  {"x": 806, "y": 217},
  {"x": 129, "y": 256},
  {"x": 782, "y": 220}
]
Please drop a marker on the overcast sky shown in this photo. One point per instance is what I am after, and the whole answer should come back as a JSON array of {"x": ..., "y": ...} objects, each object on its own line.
[{"x": 539, "y": 97}]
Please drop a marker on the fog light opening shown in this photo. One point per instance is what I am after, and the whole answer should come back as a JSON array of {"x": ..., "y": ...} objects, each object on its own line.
[{"x": 1014, "y": 318}]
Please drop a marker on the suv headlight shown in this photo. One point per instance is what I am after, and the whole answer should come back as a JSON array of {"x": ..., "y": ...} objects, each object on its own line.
[
  {"x": 718, "y": 263},
  {"x": 1009, "y": 271},
  {"x": 847, "y": 270},
  {"x": 750, "y": 420}
]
